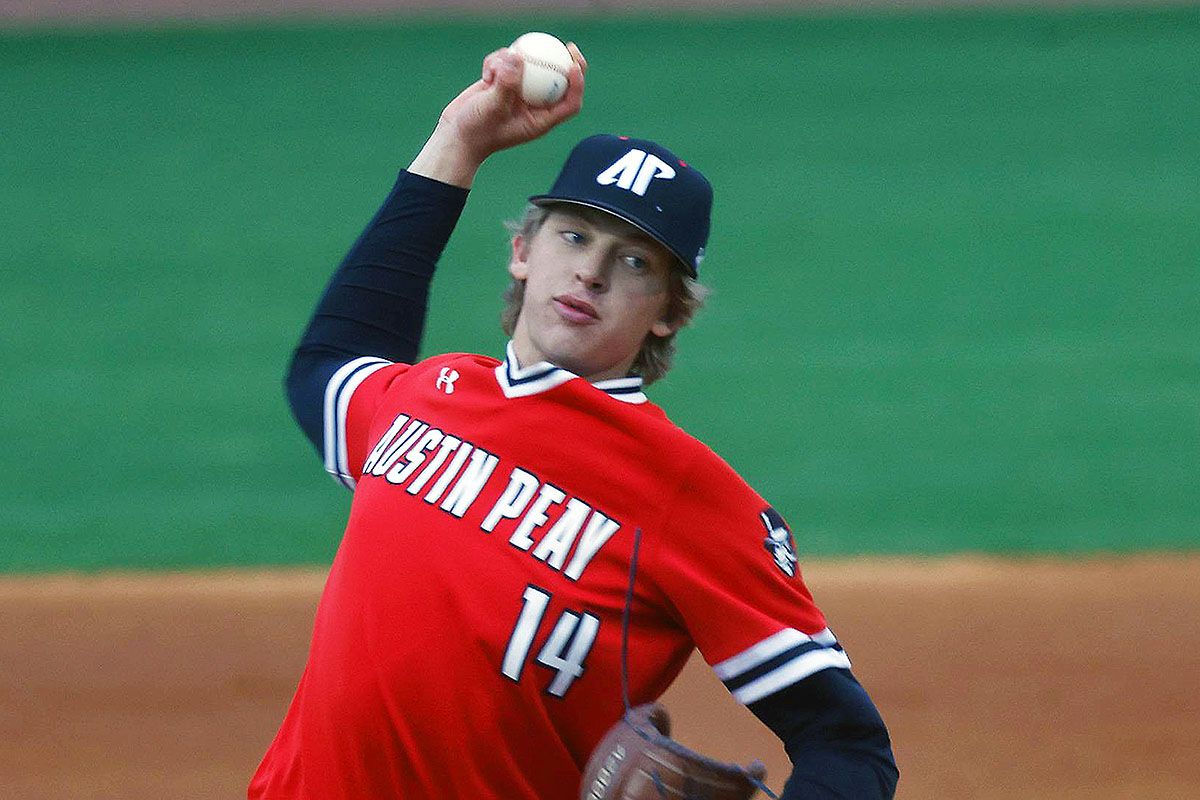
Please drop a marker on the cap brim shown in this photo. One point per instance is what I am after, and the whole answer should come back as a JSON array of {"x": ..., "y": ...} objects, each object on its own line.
[{"x": 548, "y": 199}]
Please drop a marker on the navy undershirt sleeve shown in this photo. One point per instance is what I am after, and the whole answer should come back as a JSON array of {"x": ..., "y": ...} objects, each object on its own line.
[
  {"x": 838, "y": 743},
  {"x": 375, "y": 303}
]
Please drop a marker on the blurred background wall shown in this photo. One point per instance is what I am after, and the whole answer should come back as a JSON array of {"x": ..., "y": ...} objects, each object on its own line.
[
  {"x": 955, "y": 257},
  {"x": 142, "y": 10}
]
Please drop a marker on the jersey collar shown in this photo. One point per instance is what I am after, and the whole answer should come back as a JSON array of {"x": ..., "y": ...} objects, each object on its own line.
[{"x": 518, "y": 381}]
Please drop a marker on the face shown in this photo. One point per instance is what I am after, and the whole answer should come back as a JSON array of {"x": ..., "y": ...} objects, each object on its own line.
[{"x": 595, "y": 288}]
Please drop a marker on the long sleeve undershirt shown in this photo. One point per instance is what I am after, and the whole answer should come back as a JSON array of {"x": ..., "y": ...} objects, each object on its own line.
[{"x": 375, "y": 303}]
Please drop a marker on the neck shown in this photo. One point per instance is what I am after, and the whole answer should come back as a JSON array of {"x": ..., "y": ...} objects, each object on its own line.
[{"x": 527, "y": 355}]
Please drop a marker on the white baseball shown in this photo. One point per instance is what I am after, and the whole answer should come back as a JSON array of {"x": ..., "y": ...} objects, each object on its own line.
[{"x": 547, "y": 62}]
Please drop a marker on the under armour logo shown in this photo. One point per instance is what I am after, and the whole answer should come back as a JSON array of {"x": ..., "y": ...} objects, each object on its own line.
[
  {"x": 635, "y": 170},
  {"x": 446, "y": 379}
]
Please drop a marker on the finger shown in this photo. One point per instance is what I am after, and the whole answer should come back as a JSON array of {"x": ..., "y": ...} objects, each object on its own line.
[
  {"x": 507, "y": 69},
  {"x": 561, "y": 111},
  {"x": 488, "y": 73},
  {"x": 572, "y": 99},
  {"x": 493, "y": 62},
  {"x": 577, "y": 56}
]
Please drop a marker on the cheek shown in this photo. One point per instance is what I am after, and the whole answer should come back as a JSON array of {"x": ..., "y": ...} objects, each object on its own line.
[
  {"x": 657, "y": 283},
  {"x": 652, "y": 311},
  {"x": 652, "y": 287},
  {"x": 535, "y": 282}
]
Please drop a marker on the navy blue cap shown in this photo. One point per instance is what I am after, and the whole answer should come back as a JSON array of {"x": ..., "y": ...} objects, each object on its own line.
[{"x": 644, "y": 184}]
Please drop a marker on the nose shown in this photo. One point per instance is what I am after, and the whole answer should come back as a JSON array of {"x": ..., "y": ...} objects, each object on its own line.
[{"x": 592, "y": 272}]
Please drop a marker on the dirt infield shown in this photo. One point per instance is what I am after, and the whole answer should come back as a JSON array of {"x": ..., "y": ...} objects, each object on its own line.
[{"x": 999, "y": 679}]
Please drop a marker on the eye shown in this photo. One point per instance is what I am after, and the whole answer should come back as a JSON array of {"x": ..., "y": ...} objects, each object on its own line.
[
  {"x": 636, "y": 262},
  {"x": 572, "y": 236}
]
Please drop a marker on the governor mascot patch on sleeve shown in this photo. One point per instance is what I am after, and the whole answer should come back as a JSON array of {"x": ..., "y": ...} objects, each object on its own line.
[{"x": 779, "y": 541}]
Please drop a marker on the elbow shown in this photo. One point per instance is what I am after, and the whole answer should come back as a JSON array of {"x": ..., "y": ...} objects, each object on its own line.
[
  {"x": 872, "y": 747},
  {"x": 889, "y": 776},
  {"x": 844, "y": 767},
  {"x": 297, "y": 387},
  {"x": 304, "y": 389},
  {"x": 855, "y": 761},
  {"x": 835, "y": 737},
  {"x": 862, "y": 736}
]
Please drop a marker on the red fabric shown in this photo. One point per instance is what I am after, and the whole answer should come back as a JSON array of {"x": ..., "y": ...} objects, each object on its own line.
[{"x": 403, "y": 695}]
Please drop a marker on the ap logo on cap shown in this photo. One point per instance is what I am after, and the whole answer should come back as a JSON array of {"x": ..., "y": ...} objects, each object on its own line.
[{"x": 634, "y": 171}]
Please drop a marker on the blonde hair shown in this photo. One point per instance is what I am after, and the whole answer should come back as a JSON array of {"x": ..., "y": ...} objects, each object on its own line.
[{"x": 687, "y": 296}]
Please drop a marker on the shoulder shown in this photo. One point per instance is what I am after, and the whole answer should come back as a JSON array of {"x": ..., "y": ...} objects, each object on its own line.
[
  {"x": 656, "y": 426},
  {"x": 457, "y": 363},
  {"x": 696, "y": 460},
  {"x": 679, "y": 452},
  {"x": 708, "y": 494},
  {"x": 471, "y": 361},
  {"x": 693, "y": 475},
  {"x": 365, "y": 382}
]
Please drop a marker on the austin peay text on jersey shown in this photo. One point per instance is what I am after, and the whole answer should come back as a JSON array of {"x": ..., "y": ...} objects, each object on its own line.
[{"x": 412, "y": 454}]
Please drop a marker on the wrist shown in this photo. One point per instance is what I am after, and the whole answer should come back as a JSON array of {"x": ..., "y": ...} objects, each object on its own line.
[{"x": 448, "y": 158}]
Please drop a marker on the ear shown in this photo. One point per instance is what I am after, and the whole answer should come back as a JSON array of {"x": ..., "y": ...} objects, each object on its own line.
[
  {"x": 518, "y": 267},
  {"x": 662, "y": 329},
  {"x": 664, "y": 326},
  {"x": 668, "y": 322}
]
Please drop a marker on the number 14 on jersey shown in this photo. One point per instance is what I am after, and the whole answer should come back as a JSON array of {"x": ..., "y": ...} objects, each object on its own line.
[{"x": 564, "y": 652}]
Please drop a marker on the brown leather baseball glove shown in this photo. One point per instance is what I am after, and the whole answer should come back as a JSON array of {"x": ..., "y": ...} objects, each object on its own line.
[{"x": 638, "y": 760}]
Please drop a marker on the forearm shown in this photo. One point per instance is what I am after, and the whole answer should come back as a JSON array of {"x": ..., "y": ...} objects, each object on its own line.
[
  {"x": 447, "y": 157},
  {"x": 375, "y": 303}
]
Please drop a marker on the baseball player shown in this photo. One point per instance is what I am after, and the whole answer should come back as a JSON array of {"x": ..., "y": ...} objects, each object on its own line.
[{"x": 468, "y": 641}]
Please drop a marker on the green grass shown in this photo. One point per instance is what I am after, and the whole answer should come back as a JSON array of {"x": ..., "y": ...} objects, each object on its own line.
[{"x": 956, "y": 259}]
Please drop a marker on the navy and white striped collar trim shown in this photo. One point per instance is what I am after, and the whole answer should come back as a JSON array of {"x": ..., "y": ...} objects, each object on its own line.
[{"x": 518, "y": 381}]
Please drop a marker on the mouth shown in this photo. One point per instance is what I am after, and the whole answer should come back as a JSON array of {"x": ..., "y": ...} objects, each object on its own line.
[{"x": 574, "y": 309}]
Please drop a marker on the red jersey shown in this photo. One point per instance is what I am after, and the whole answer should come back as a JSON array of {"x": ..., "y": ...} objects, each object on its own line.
[{"x": 468, "y": 640}]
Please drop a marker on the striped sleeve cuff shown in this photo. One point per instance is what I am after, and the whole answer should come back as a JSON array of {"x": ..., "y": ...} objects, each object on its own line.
[
  {"x": 779, "y": 661},
  {"x": 338, "y": 392}
]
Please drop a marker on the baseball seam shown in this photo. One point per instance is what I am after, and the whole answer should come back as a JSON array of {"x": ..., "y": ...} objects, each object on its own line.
[{"x": 537, "y": 62}]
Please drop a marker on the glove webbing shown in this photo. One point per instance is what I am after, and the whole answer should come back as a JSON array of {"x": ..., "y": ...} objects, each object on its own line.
[{"x": 654, "y": 736}]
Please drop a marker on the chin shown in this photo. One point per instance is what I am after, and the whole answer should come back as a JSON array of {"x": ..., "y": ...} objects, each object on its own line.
[
  {"x": 575, "y": 362},
  {"x": 579, "y": 366},
  {"x": 575, "y": 356}
]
